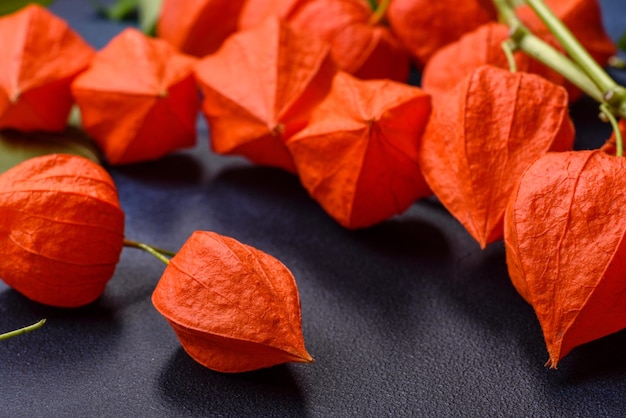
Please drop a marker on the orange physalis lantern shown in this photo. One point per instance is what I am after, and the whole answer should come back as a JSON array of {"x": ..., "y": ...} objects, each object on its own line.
[
  {"x": 360, "y": 45},
  {"x": 40, "y": 57},
  {"x": 233, "y": 307},
  {"x": 610, "y": 146},
  {"x": 198, "y": 27},
  {"x": 138, "y": 100},
  {"x": 565, "y": 246},
  {"x": 358, "y": 157},
  {"x": 255, "y": 12},
  {"x": 61, "y": 229},
  {"x": 260, "y": 88},
  {"x": 481, "y": 137},
  {"x": 483, "y": 46},
  {"x": 425, "y": 26}
]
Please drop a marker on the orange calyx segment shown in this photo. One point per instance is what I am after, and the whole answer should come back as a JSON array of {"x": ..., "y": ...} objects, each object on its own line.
[{"x": 483, "y": 46}]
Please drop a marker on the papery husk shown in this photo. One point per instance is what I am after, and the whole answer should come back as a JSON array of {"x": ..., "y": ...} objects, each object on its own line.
[
  {"x": 451, "y": 64},
  {"x": 358, "y": 157},
  {"x": 255, "y": 12},
  {"x": 481, "y": 137},
  {"x": 40, "y": 57},
  {"x": 565, "y": 247},
  {"x": 610, "y": 146},
  {"x": 198, "y": 27},
  {"x": 425, "y": 26},
  {"x": 233, "y": 307},
  {"x": 364, "y": 49},
  {"x": 260, "y": 88},
  {"x": 61, "y": 229},
  {"x": 138, "y": 100}
]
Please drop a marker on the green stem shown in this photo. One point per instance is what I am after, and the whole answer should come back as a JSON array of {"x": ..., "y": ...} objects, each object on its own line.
[
  {"x": 572, "y": 46},
  {"x": 156, "y": 252},
  {"x": 617, "y": 62},
  {"x": 506, "y": 11},
  {"x": 119, "y": 10},
  {"x": 379, "y": 11},
  {"x": 581, "y": 70},
  {"x": 509, "y": 47},
  {"x": 24, "y": 330},
  {"x": 546, "y": 54},
  {"x": 606, "y": 113}
]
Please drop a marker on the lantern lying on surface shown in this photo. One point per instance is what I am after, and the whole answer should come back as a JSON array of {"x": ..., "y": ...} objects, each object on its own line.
[
  {"x": 61, "y": 229},
  {"x": 234, "y": 308}
]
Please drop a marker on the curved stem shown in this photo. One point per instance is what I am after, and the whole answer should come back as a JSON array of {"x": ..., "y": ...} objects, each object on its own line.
[
  {"x": 508, "y": 47},
  {"x": 23, "y": 330},
  {"x": 549, "y": 56},
  {"x": 581, "y": 69},
  {"x": 156, "y": 252},
  {"x": 379, "y": 12},
  {"x": 617, "y": 62},
  {"x": 506, "y": 12},
  {"x": 619, "y": 146},
  {"x": 523, "y": 39},
  {"x": 572, "y": 46}
]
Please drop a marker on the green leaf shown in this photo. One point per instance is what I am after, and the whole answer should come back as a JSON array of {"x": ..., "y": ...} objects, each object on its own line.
[
  {"x": 9, "y": 6},
  {"x": 16, "y": 147}
]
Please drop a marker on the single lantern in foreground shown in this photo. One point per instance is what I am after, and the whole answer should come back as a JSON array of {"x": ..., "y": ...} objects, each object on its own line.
[
  {"x": 61, "y": 229},
  {"x": 234, "y": 308}
]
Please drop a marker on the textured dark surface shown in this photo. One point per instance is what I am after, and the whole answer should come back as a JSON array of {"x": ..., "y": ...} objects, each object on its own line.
[{"x": 407, "y": 318}]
